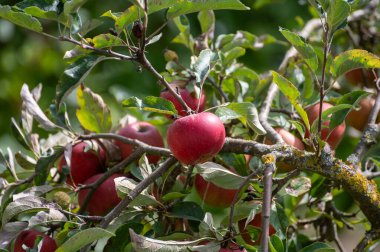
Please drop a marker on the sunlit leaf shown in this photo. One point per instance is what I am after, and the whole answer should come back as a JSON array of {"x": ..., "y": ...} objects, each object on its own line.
[
  {"x": 152, "y": 104},
  {"x": 298, "y": 186},
  {"x": 20, "y": 18}
]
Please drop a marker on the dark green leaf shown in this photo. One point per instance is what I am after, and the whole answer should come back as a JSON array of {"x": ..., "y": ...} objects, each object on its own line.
[
  {"x": 302, "y": 47},
  {"x": 151, "y": 103},
  {"x": 47, "y": 9},
  {"x": 353, "y": 59},
  {"x": 20, "y": 18},
  {"x": 74, "y": 75},
  {"x": 122, "y": 237},
  {"x": 187, "y": 210},
  {"x": 93, "y": 114},
  {"x": 337, "y": 13},
  {"x": 25, "y": 161},
  {"x": 317, "y": 247},
  {"x": 276, "y": 244},
  {"x": 45, "y": 163},
  {"x": 82, "y": 238},
  {"x": 185, "y": 7},
  {"x": 293, "y": 95}
]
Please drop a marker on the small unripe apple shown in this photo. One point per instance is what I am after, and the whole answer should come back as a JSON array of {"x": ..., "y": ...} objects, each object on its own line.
[
  {"x": 291, "y": 140},
  {"x": 196, "y": 138},
  {"x": 190, "y": 98},
  {"x": 27, "y": 238},
  {"x": 144, "y": 132},
  {"x": 361, "y": 77},
  {"x": 336, "y": 135},
  {"x": 358, "y": 118},
  {"x": 212, "y": 194},
  {"x": 256, "y": 222},
  {"x": 104, "y": 198},
  {"x": 85, "y": 162}
]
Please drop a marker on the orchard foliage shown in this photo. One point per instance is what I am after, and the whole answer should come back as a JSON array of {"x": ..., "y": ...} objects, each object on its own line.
[{"x": 261, "y": 163}]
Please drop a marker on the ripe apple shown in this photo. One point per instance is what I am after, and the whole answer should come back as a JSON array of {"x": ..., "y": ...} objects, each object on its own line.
[
  {"x": 27, "y": 238},
  {"x": 190, "y": 98},
  {"x": 144, "y": 132},
  {"x": 256, "y": 222},
  {"x": 291, "y": 140},
  {"x": 104, "y": 198},
  {"x": 358, "y": 118},
  {"x": 336, "y": 135},
  {"x": 85, "y": 163},
  {"x": 361, "y": 77},
  {"x": 212, "y": 194},
  {"x": 196, "y": 138}
]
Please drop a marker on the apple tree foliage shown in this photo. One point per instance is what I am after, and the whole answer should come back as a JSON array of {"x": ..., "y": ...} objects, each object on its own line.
[{"x": 160, "y": 210}]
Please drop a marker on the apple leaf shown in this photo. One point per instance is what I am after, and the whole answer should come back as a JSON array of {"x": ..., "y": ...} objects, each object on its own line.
[
  {"x": 50, "y": 216},
  {"x": 33, "y": 191},
  {"x": 246, "y": 112},
  {"x": 276, "y": 244},
  {"x": 187, "y": 6},
  {"x": 144, "y": 244},
  {"x": 353, "y": 59},
  {"x": 302, "y": 47},
  {"x": 353, "y": 98},
  {"x": 206, "y": 19},
  {"x": 232, "y": 54},
  {"x": 203, "y": 64},
  {"x": 106, "y": 40},
  {"x": 298, "y": 186},
  {"x": 337, "y": 13},
  {"x": 82, "y": 238},
  {"x": 279, "y": 220},
  {"x": 45, "y": 163},
  {"x": 122, "y": 237},
  {"x": 93, "y": 113},
  {"x": 187, "y": 210},
  {"x": 293, "y": 95},
  {"x": 9, "y": 232},
  {"x": 219, "y": 175},
  {"x": 41, "y": 9},
  {"x": 20, "y": 18},
  {"x": 75, "y": 74},
  {"x": 318, "y": 247},
  {"x": 152, "y": 104},
  {"x": 72, "y": 6},
  {"x": 25, "y": 161}
]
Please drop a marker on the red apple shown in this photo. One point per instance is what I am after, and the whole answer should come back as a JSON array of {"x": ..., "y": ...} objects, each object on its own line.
[
  {"x": 85, "y": 163},
  {"x": 291, "y": 140},
  {"x": 358, "y": 118},
  {"x": 336, "y": 135},
  {"x": 27, "y": 238},
  {"x": 212, "y": 194},
  {"x": 256, "y": 222},
  {"x": 104, "y": 198},
  {"x": 144, "y": 132},
  {"x": 361, "y": 77},
  {"x": 190, "y": 99},
  {"x": 196, "y": 138}
]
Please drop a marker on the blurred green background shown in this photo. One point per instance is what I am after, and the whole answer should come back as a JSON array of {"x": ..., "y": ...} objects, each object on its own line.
[{"x": 27, "y": 57}]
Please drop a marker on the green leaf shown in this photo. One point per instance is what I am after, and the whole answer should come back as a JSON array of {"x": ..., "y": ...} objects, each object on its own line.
[
  {"x": 353, "y": 98},
  {"x": 72, "y": 6},
  {"x": 75, "y": 74},
  {"x": 184, "y": 37},
  {"x": 233, "y": 54},
  {"x": 106, "y": 40},
  {"x": 298, "y": 186},
  {"x": 187, "y": 210},
  {"x": 293, "y": 95},
  {"x": 353, "y": 59},
  {"x": 93, "y": 114},
  {"x": 308, "y": 84},
  {"x": 187, "y": 6},
  {"x": 152, "y": 104},
  {"x": 45, "y": 163},
  {"x": 134, "y": 12},
  {"x": 122, "y": 237},
  {"x": 219, "y": 175},
  {"x": 25, "y": 161},
  {"x": 244, "y": 111},
  {"x": 82, "y": 238},
  {"x": 47, "y": 9},
  {"x": 203, "y": 64},
  {"x": 337, "y": 13},
  {"x": 276, "y": 244},
  {"x": 317, "y": 247},
  {"x": 20, "y": 18},
  {"x": 302, "y": 47},
  {"x": 207, "y": 21}
]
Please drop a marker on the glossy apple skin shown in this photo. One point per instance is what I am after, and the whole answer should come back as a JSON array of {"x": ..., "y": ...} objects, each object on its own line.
[
  {"x": 336, "y": 135},
  {"x": 358, "y": 118},
  {"x": 256, "y": 222},
  {"x": 196, "y": 138},
  {"x": 190, "y": 99},
  {"x": 28, "y": 238},
  {"x": 84, "y": 164},
  {"x": 144, "y": 132},
  {"x": 289, "y": 139},
  {"x": 104, "y": 198},
  {"x": 212, "y": 194},
  {"x": 361, "y": 77}
]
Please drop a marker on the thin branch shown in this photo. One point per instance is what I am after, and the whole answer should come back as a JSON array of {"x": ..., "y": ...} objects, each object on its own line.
[
  {"x": 280, "y": 183},
  {"x": 137, "y": 190},
  {"x": 269, "y": 167},
  {"x": 367, "y": 240},
  {"x": 83, "y": 217}
]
